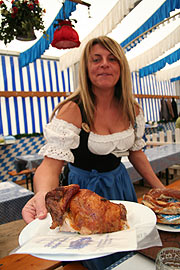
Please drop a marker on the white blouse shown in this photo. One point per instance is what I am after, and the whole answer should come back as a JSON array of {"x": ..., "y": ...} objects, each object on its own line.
[{"x": 62, "y": 136}]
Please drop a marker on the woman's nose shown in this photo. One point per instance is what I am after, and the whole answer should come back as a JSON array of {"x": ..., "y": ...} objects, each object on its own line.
[{"x": 104, "y": 62}]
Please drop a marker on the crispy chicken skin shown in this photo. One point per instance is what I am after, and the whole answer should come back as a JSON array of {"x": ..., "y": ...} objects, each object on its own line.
[
  {"x": 83, "y": 211},
  {"x": 57, "y": 202}
]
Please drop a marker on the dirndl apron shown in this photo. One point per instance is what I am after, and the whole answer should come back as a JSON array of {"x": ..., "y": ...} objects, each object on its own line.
[{"x": 112, "y": 185}]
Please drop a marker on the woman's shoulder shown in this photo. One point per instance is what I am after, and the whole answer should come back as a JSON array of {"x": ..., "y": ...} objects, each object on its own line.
[{"x": 70, "y": 112}]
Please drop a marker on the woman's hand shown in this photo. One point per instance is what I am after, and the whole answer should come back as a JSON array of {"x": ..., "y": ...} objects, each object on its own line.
[
  {"x": 46, "y": 178},
  {"x": 35, "y": 208},
  {"x": 142, "y": 165}
]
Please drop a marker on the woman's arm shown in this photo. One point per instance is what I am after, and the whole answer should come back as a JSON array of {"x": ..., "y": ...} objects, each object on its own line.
[
  {"x": 142, "y": 165},
  {"x": 47, "y": 175}
]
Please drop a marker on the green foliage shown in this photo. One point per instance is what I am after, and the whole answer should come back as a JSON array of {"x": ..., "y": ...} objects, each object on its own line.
[{"x": 20, "y": 20}]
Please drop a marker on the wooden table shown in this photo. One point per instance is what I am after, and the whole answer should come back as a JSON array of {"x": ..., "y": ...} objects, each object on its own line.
[{"x": 28, "y": 262}]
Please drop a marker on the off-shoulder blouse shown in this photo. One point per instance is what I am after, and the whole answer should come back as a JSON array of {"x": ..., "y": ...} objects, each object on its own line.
[{"x": 62, "y": 136}]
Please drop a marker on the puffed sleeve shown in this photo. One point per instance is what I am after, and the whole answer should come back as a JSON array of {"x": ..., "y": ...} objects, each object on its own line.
[
  {"x": 61, "y": 137},
  {"x": 139, "y": 142}
]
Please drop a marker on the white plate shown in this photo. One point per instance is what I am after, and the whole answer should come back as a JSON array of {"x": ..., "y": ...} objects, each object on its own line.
[
  {"x": 166, "y": 228},
  {"x": 136, "y": 214}
]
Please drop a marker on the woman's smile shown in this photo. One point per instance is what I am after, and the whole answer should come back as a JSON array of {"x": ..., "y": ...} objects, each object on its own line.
[{"x": 104, "y": 74}]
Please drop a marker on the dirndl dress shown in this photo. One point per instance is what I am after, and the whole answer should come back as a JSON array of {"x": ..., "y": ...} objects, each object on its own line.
[{"x": 102, "y": 174}]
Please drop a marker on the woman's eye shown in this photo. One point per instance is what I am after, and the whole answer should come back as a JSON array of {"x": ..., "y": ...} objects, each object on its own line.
[
  {"x": 113, "y": 59},
  {"x": 95, "y": 60}
]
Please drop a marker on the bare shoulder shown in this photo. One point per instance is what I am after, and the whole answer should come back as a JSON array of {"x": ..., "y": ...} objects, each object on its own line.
[{"x": 70, "y": 112}]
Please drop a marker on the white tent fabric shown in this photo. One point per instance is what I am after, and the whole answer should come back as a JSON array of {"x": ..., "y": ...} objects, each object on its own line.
[
  {"x": 45, "y": 74},
  {"x": 86, "y": 22},
  {"x": 169, "y": 58},
  {"x": 166, "y": 43},
  {"x": 116, "y": 26},
  {"x": 135, "y": 19},
  {"x": 169, "y": 72},
  {"x": 118, "y": 23},
  {"x": 112, "y": 19},
  {"x": 156, "y": 43}
]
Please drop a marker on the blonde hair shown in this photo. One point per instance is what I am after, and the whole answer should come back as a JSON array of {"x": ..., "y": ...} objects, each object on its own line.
[{"x": 123, "y": 88}]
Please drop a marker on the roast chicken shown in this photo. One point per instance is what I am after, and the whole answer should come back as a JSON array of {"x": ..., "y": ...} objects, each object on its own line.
[{"x": 80, "y": 210}]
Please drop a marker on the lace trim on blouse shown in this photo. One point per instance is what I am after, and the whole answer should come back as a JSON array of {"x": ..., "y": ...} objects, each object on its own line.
[{"x": 62, "y": 136}]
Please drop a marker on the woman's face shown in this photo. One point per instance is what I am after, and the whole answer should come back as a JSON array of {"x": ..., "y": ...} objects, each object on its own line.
[{"x": 103, "y": 68}]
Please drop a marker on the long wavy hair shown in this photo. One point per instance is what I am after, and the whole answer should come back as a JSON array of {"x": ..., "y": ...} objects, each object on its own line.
[{"x": 123, "y": 89}]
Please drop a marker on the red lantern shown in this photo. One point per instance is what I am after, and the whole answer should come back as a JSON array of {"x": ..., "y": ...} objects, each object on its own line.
[{"x": 65, "y": 37}]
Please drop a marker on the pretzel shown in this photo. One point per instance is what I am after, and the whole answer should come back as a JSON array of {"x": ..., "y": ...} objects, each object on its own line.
[
  {"x": 173, "y": 220},
  {"x": 163, "y": 201}
]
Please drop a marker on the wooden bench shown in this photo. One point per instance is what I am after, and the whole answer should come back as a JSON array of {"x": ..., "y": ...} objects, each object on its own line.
[{"x": 29, "y": 176}]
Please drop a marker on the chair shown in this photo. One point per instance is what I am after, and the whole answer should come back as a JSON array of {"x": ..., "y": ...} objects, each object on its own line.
[{"x": 29, "y": 173}]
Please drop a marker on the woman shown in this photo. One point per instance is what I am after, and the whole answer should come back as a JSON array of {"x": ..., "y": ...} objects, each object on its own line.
[{"x": 91, "y": 130}]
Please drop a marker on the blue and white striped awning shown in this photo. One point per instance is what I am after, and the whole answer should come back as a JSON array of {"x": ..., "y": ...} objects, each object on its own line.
[
  {"x": 148, "y": 85},
  {"x": 26, "y": 114},
  {"x": 19, "y": 115}
]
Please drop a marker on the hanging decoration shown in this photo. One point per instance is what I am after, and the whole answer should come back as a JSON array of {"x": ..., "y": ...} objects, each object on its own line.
[
  {"x": 21, "y": 20},
  {"x": 34, "y": 52},
  {"x": 65, "y": 37}
]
